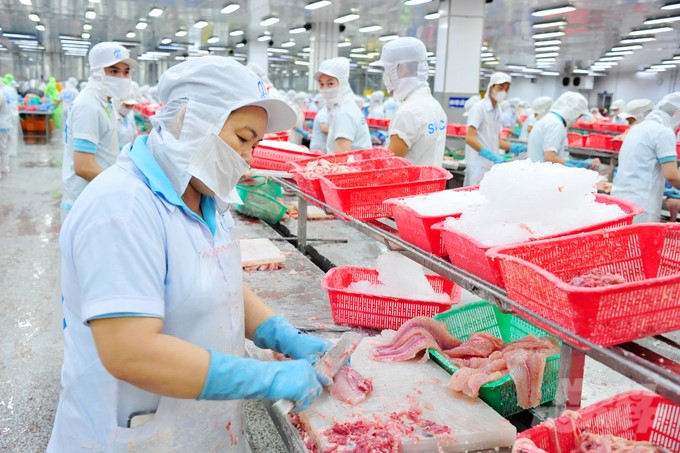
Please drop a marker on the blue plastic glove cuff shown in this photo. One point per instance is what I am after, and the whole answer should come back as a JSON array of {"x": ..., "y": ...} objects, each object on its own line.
[
  {"x": 279, "y": 335},
  {"x": 579, "y": 163},
  {"x": 518, "y": 148},
  {"x": 487, "y": 154}
]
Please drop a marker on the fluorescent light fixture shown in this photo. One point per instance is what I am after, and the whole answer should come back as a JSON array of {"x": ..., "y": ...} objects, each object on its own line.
[
  {"x": 301, "y": 63},
  {"x": 40, "y": 27},
  {"x": 85, "y": 35},
  {"x": 517, "y": 67},
  {"x": 486, "y": 54},
  {"x": 269, "y": 20},
  {"x": 673, "y": 62},
  {"x": 596, "y": 74},
  {"x": 34, "y": 17},
  {"x": 621, "y": 52},
  {"x": 19, "y": 36},
  {"x": 263, "y": 38},
  {"x": 416, "y": 2},
  {"x": 358, "y": 50},
  {"x": 661, "y": 20},
  {"x": 491, "y": 63},
  {"x": 548, "y": 49},
  {"x": 647, "y": 31},
  {"x": 488, "y": 58},
  {"x": 637, "y": 40},
  {"x": 181, "y": 33},
  {"x": 545, "y": 60},
  {"x": 288, "y": 44},
  {"x": 130, "y": 34},
  {"x": 549, "y": 42},
  {"x": 552, "y": 11},
  {"x": 346, "y": 18},
  {"x": 306, "y": 49},
  {"x": 370, "y": 28},
  {"x": 90, "y": 14},
  {"x": 141, "y": 25},
  {"x": 548, "y": 54},
  {"x": 25, "y": 2},
  {"x": 667, "y": 6},
  {"x": 676, "y": 57},
  {"x": 550, "y": 73},
  {"x": 212, "y": 40},
  {"x": 297, "y": 30},
  {"x": 388, "y": 37},
  {"x": 230, "y": 8},
  {"x": 87, "y": 27},
  {"x": 662, "y": 66},
  {"x": 236, "y": 33},
  {"x": 344, "y": 44},
  {"x": 277, "y": 50},
  {"x": 317, "y": 4},
  {"x": 95, "y": 1},
  {"x": 623, "y": 48},
  {"x": 166, "y": 40},
  {"x": 611, "y": 58},
  {"x": 556, "y": 23},
  {"x": 240, "y": 45},
  {"x": 200, "y": 23},
  {"x": 155, "y": 12},
  {"x": 217, "y": 48},
  {"x": 358, "y": 55},
  {"x": 580, "y": 71},
  {"x": 433, "y": 15},
  {"x": 550, "y": 34},
  {"x": 532, "y": 70}
]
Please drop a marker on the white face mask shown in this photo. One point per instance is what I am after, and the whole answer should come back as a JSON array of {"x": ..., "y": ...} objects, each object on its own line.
[
  {"x": 499, "y": 96},
  {"x": 390, "y": 84},
  {"x": 331, "y": 96},
  {"x": 115, "y": 87},
  {"x": 218, "y": 166},
  {"x": 675, "y": 120},
  {"x": 124, "y": 111}
]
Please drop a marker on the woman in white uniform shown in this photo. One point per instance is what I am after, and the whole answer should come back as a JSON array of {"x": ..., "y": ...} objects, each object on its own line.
[
  {"x": 127, "y": 128},
  {"x": 539, "y": 108},
  {"x": 648, "y": 159},
  {"x": 347, "y": 128},
  {"x": 417, "y": 131},
  {"x": 155, "y": 309}
]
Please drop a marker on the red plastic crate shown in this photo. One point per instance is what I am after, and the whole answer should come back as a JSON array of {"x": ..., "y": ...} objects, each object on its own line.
[
  {"x": 636, "y": 415},
  {"x": 417, "y": 228},
  {"x": 380, "y": 312},
  {"x": 309, "y": 114},
  {"x": 615, "y": 127},
  {"x": 468, "y": 253},
  {"x": 576, "y": 139},
  {"x": 536, "y": 275},
  {"x": 273, "y": 155},
  {"x": 505, "y": 132},
  {"x": 311, "y": 184},
  {"x": 677, "y": 149},
  {"x": 361, "y": 195},
  {"x": 599, "y": 141},
  {"x": 615, "y": 144},
  {"x": 281, "y": 136}
]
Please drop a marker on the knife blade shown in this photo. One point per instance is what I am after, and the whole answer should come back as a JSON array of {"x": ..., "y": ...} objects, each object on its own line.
[{"x": 328, "y": 365}]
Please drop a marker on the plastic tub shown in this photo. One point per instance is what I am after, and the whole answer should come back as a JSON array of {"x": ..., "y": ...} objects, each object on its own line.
[
  {"x": 260, "y": 205},
  {"x": 576, "y": 139}
]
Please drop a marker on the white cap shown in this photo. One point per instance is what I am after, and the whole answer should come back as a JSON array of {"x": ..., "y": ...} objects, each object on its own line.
[
  {"x": 377, "y": 96},
  {"x": 499, "y": 78},
  {"x": 570, "y": 106},
  {"x": 107, "y": 54},
  {"x": 403, "y": 50},
  {"x": 335, "y": 67},
  {"x": 223, "y": 83},
  {"x": 617, "y": 104},
  {"x": 669, "y": 104},
  {"x": 514, "y": 102},
  {"x": 472, "y": 100},
  {"x": 542, "y": 104},
  {"x": 637, "y": 108}
]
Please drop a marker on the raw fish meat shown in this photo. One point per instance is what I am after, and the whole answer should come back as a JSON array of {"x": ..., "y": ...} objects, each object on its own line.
[
  {"x": 526, "y": 368},
  {"x": 350, "y": 387},
  {"x": 597, "y": 278},
  {"x": 413, "y": 336},
  {"x": 478, "y": 344},
  {"x": 324, "y": 167}
]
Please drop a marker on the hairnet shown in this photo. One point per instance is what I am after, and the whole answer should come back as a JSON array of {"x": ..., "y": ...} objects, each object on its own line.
[
  {"x": 570, "y": 106},
  {"x": 107, "y": 54},
  {"x": 403, "y": 50},
  {"x": 498, "y": 78},
  {"x": 339, "y": 68},
  {"x": 669, "y": 104},
  {"x": 618, "y": 104},
  {"x": 637, "y": 108},
  {"x": 514, "y": 102},
  {"x": 504, "y": 105},
  {"x": 472, "y": 100},
  {"x": 541, "y": 105},
  {"x": 377, "y": 97}
]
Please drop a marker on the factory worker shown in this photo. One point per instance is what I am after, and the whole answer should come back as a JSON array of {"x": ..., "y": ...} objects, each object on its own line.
[
  {"x": 472, "y": 100},
  {"x": 391, "y": 107},
  {"x": 615, "y": 109},
  {"x": 53, "y": 95},
  {"x": 548, "y": 138},
  {"x": 319, "y": 135},
  {"x": 347, "y": 128},
  {"x": 376, "y": 109},
  {"x": 298, "y": 134},
  {"x": 648, "y": 159},
  {"x": 482, "y": 141},
  {"x": 539, "y": 108},
  {"x": 155, "y": 308},
  {"x": 317, "y": 102},
  {"x": 127, "y": 128},
  {"x": 9, "y": 88},
  {"x": 417, "y": 131},
  {"x": 636, "y": 111},
  {"x": 506, "y": 114},
  {"x": 68, "y": 95},
  {"x": 92, "y": 140},
  {"x": 6, "y": 124}
]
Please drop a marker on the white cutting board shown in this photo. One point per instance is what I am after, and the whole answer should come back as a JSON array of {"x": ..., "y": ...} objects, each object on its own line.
[
  {"x": 255, "y": 252},
  {"x": 400, "y": 386}
]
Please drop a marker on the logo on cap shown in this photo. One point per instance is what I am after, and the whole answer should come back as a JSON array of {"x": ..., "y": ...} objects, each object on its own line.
[
  {"x": 263, "y": 90},
  {"x": 118, "y": 54}
]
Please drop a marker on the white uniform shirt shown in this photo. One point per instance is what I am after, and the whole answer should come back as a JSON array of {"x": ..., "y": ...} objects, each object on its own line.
[
  {"x": 529, "y": 122},
  {"x": 127, "y": 129},
  {"x": 348, "y": 122},
  {"x": 549, "y": 134},
  {"x": 639, "y": 178},
  {"x": 487, "y": 121},
  {"x": 93, "y": 119},
  {"x": 318, "y": 138},
  {"x": 421, "y": 123}
]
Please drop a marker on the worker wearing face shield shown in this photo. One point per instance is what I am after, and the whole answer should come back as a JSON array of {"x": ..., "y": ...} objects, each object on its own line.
[
  {"x": 347, "y": 128},
  {"x": 539, "y": 108},
  {"x": 92, "y": 133},
  {"x": 155, "y": 310},
  {"x": 483, "y": 141},
  {"x": 417, "y": 130},
  {"x": 548, "y": 138},
  {"x": 648, "y": 159}
]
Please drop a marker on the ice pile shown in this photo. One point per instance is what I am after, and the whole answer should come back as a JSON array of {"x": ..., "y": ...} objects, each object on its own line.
[
  {"x": 399, "y": 277},
  {"x": 446, "y": 202},
  {"x": 528, "y": 200}
]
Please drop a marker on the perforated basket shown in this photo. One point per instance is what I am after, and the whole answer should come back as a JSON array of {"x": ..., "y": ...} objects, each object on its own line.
[
  {"x": 468, "y": 253},
  {"x": 536, "y": 275},
  {"x": 380, "y": 312},
  {"x": 417, "y": 229},
  {"x": 361, "y": 195},
  {"x": 258, "y": 204},
  {"x": 637, "y": 415},
  {"x": 275, "y": 155},
  {"x": 500, "y": 394}
]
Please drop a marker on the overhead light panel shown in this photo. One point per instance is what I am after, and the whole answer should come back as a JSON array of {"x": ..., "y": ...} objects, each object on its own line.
[
  {"x": 200, "y": 24},
  {"x": 550, "y": 34},
  {"x": 297, "y": 30},
  {"x": 616, "y": 54},
  {"x": 263, "y": 38},
  {"x": 34, "y": 17},
  {"x": 269, "y": 20},
  {"x": 370, "y": 28},
  {"x": 166, "y": 41},
  {"x": 492, "y": 62},
  {"x": 25, "y": 2},
  {"x": 415, "y": 2},
  {"x": 277, "y": 50},
  {"x": 155, "y": 12},
  {"x": 611, "y": 58},
  {"x": 181, "y": 33},
  {"x": 344, "y": 44},
  {"x": 673, "y": 62},
  {"x": 288, "y": 44},
  {"x": 580, "y": 71},
  {"x": 662, "y": 20},
  {"x": 358, "y": 50},
  {"x": 552, "y": 11},
  {"x": 532, "y": 70},
  {"x": 40, "y": 27},
  {"x": 213, "y": 39},
  {"x": 638, "y": 39},
  {"x": 131, "y": 34},
  {"x": 236, "y": 33},
  {"x": 230, "y": 8},
  {"x": 240, "y": 44},
  {"x": 141, "y": 25},
  {"x": 515, "y": 67},
  {"x": 557, "y": 23},
  {"x": 547, "y": 49},
  {"x": 432, "y": 16},
  {"x": 622, "y": 48},
  {"x": 548, "y": 55},
  {"x": 87, "y": 27},
  {"x": 672, "y": 5},
  {"x": 90, "y": 14},
  {"x": 647, "y": 31},
  {"x": 85, "y": 35},
  {"x": 549, "y": 42},
  {"x": 550, "y": 73},
  {"x": 317, "y": 4},
  {"x": 545, "y": 60},
  {"x": 388, "y": 37},
  {"x": 662, "y": 66},
  {"x": 346, "y": 18}
]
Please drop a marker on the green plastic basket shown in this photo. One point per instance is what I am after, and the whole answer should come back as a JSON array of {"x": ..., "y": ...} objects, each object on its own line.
[
  {"x": 256, "y": 203},
  {"x": 482, "y": 316},
  {"x": 262, "y": 184}
]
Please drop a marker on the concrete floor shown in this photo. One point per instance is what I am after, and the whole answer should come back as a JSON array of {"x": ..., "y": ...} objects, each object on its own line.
[{"x": 31, "y": 349}]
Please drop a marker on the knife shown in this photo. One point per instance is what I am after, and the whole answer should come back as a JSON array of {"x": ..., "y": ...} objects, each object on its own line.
[{"x": 328, "y": 365}]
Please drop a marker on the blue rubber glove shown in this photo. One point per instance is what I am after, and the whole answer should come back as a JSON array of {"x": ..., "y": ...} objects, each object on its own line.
[
  {"x": 670, "y": 191},
  {"x": 279, "y": 335},
  {"x": 518, "y": 148},
  {"x": 487, "y": 154},
  {"x": 231, "y": 378},
  {"x": 302, "y": 132},
  {"x": 579, "y": 163}
]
